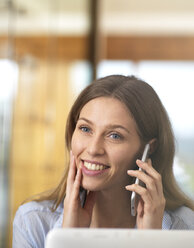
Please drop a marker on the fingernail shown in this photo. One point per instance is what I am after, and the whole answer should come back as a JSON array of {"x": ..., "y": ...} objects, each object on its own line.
[{"x": 130, "y": 171}]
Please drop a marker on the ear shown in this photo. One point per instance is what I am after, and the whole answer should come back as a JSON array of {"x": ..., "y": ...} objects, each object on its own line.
[{"x": 153, "y": 145}]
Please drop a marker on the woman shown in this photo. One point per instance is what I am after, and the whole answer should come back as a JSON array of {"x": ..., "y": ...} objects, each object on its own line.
[{"x": 107, "y": 129}]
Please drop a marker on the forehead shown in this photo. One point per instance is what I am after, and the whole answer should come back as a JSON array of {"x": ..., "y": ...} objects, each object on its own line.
[{"x": 107, "y": 110}]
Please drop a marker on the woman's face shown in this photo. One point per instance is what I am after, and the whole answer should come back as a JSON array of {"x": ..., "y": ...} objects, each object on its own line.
[{"x": 105, "y": 144}]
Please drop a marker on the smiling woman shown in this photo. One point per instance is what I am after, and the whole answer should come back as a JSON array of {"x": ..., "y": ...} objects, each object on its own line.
[
  {"x": 107, "y": 145},
  {"x": 107, "y": 129}
]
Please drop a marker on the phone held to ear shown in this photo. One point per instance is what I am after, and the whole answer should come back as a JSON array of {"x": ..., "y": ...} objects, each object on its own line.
[{"x": 134, "y": 196}]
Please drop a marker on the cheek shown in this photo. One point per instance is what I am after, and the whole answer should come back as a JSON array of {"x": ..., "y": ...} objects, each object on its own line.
[
  {"x": 77, "y": 144},
  {"x": 124, "y": 159}
]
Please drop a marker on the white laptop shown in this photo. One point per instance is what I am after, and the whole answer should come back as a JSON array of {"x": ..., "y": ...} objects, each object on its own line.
[{"x": 118, "y": 238}]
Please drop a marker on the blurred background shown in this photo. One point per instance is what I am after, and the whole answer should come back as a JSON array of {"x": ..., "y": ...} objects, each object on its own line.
[{"x": 50, "y": 50}]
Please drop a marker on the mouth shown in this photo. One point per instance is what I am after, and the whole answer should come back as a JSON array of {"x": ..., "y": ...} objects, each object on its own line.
[{"x": 94, "y": 166}]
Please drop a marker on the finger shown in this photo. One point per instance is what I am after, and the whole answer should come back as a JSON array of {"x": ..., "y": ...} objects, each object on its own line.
[
  {"x": 148, "y": 168},
  {"x": 71, "y": 173},
  {"x": 140, "y": 208},
  {"x": 147, "y": 180},
  {"x": 144, "y": 193},
  {"x": 157, "y": 177},
  {"x": 77, "y": 184}
]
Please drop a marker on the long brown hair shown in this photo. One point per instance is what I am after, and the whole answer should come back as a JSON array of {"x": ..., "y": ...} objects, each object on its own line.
[{"x": 152, "y": 122}]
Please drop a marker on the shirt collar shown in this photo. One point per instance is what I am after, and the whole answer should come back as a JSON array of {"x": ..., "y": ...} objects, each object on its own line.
[{"x": 167, "y": 221}]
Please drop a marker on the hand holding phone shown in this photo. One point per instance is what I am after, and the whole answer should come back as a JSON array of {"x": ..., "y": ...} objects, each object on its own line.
[{"x": 134, "y": 196}]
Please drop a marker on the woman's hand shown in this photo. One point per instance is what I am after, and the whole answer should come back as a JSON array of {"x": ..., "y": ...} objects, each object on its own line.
[
  {"x": 150, "y": 208},
  {"x": 74, "y": 215}
]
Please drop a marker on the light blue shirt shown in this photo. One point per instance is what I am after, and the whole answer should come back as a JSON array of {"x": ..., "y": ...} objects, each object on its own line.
[{"x": 34, "y": 220}]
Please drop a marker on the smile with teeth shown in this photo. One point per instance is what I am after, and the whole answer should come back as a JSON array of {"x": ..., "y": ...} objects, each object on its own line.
[{"x": 94, "y": 167}]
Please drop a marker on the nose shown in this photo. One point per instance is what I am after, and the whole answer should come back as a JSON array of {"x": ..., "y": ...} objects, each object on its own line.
[{"x": 96, "y": 146}]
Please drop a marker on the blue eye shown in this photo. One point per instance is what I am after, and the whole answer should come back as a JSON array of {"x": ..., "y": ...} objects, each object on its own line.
[
  {"x": 115, "y": 136},
  {"x": 85, "y": 129}
]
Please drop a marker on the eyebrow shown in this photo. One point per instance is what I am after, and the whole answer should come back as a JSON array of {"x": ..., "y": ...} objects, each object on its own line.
[{"x": 109, "y": 126}]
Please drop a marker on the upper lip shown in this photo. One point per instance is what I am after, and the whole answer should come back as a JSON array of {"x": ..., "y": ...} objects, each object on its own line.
[{"x": 94, "y": 162}]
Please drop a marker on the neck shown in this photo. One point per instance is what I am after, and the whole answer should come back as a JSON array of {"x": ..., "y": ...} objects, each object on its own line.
[{"x": 112, "y": 209}]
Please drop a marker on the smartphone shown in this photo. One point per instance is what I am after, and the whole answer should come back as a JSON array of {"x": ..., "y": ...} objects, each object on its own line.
[
  {"x": 134, "y": 196},
  {"x": 82, "y": 195}
]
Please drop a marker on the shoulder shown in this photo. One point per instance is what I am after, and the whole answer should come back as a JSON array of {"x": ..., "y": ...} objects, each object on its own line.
[
  {"x": 36, "y": 210},
  {"x": 41, "y": 206},
  {"x": 182, "y": 218},
  {"x": 32, "y": 222}
]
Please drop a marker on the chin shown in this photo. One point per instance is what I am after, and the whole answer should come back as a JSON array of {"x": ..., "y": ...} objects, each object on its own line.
[{"x": 91, "y": 186}]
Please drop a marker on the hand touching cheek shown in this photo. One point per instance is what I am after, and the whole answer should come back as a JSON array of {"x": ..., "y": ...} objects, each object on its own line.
[{"x": 74, "y": 215}]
